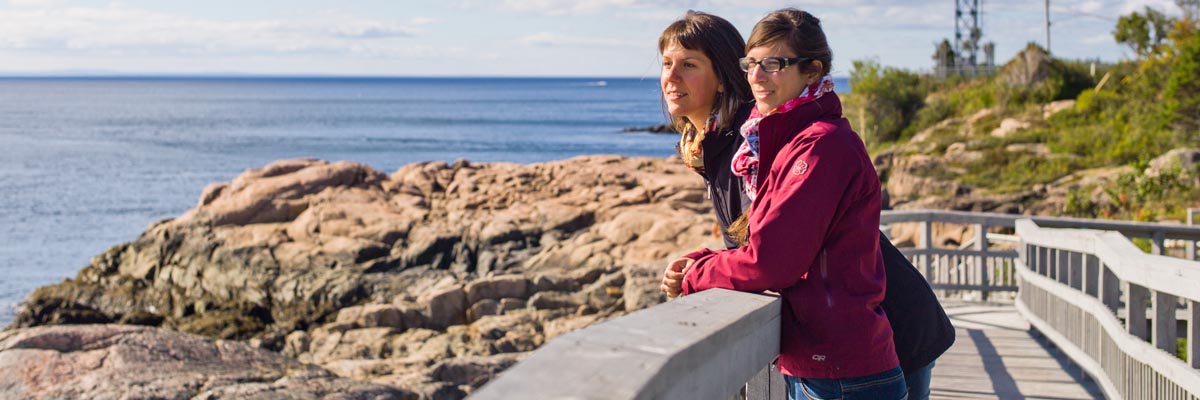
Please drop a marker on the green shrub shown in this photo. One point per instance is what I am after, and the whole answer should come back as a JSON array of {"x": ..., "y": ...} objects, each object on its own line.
[
  {"x": 1005, "y": 171},
  {"x": 887, "y": 99}
]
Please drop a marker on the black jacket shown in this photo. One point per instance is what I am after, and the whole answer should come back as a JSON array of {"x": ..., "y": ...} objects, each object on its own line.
[
  {"x": 724, "y": 188},
  {"x": 920, "y": 328}
]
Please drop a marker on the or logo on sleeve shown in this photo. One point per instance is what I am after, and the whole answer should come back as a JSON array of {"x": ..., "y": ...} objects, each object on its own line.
[{"x": 800, "y": 168}]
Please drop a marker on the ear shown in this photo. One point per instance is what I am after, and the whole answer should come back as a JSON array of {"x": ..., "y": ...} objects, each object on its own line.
[
  {"x": 720, "y": 88},
  {"x": 818, "y": 66}
]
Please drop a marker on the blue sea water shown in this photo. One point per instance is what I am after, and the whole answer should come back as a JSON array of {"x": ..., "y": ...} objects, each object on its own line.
[{"x": 88, "y": 163}]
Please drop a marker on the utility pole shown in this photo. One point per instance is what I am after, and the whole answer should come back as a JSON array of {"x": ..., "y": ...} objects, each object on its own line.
[{"x": 1047, "y": 26}]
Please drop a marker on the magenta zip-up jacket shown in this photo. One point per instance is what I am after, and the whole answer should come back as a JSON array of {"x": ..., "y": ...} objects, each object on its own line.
[{"x": 814, "y": 239}]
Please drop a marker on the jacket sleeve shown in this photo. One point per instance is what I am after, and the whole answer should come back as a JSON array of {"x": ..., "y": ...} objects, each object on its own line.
[{"x": 807, "y": 185}]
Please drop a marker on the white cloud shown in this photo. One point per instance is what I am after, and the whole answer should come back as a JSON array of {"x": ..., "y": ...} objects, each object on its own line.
[
  {"x": 421, "y": 21},
  {"x": 117, "y": 30},
  {"x": 547, "y": 39},
  {"x": 583, "y": 7},
  {"x": 567, "y": 7},
  {"x": 33, "y": 3},
  {"x": 372, "y": 30},
  {"x": 1130, "y": 6},
  {"x": 1092, "y": 6},
  {"x": 1097, "y": 39}
]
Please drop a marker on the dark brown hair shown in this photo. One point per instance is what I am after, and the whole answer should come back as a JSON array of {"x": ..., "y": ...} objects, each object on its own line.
[
  {"x": 801, "y": 32},
  {"x": 722, "y": 44}
]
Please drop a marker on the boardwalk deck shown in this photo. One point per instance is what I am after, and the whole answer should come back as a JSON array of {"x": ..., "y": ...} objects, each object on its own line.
[{"x": 996, "y": 357}]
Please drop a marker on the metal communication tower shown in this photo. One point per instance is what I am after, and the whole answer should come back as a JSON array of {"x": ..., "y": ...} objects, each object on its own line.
[{"x": 967, "y": 31}]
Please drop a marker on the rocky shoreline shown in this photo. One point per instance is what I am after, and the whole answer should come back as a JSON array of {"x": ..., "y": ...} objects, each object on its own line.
[
  {"x": 419, "y": 284},
  {"x": 311, "y": 279}
]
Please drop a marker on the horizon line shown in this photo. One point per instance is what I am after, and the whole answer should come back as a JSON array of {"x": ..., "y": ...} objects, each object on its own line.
[{"x": 169, "y": 75}]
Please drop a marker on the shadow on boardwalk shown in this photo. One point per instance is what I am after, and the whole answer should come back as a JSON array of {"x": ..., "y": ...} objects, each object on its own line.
[{"x": 996, "y": 357}]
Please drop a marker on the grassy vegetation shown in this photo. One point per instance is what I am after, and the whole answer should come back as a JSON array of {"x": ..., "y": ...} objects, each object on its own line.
[{"x": 1124, "y": 115}]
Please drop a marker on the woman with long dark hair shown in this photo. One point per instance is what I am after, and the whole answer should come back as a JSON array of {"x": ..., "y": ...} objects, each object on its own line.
[{"x": 707, "y": 96}]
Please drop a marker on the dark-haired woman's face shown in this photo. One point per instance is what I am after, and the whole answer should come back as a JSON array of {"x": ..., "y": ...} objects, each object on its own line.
[
  {"x": 772, "y": 89},
  {"x": 689, "y": 83}
]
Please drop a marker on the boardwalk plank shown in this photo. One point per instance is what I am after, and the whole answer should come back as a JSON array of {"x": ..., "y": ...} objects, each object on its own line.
[{"x": 996, "y": 357}]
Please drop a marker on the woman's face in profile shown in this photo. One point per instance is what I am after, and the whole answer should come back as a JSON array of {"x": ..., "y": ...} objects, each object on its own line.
[
  {"x": 689, "y": 83},
  {"x": 772, "y": 89}
]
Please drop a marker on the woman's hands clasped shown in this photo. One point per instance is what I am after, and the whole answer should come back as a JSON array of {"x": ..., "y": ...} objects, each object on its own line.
[{"x": 672, "y": 283}]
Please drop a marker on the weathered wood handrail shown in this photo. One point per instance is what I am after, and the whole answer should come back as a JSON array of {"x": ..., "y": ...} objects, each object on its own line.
[
  {"x": 702, "y": 346},
  {"x": 976, "y": 269},
  {"x": 706, "y": 346},
  {"x": 985, "y": 270},
  {"x": 1154, "y": 231},
  {"x": 1072, "y": 284}
]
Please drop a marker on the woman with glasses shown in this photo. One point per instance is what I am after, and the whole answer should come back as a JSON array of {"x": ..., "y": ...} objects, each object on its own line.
[
  {"x": 812, "y": 222},
  {"x": 703, "y": 80}
]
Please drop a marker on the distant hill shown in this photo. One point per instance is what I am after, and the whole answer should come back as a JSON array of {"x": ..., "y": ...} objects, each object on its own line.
[{"x": 1042, "y": 135}]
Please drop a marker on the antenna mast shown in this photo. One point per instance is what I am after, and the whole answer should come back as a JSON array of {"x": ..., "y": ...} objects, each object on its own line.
[{"x": 967, "y": 31}]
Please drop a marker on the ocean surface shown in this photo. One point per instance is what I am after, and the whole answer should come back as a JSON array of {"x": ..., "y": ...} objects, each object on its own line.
[{"x": 89, "y": 163}]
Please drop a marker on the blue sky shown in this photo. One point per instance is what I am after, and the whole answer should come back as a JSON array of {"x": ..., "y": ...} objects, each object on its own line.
[{"x": 492, "y": 38}]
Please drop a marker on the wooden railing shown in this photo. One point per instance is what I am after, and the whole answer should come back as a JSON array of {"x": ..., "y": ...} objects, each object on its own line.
[
  {"x": 984, "y": 269},
  {"x": 978, "y": 267},
  {"x": 703, "y": 346},
  {"x": 712, "y": 344},
  {"x": 1077, "y": 283}
]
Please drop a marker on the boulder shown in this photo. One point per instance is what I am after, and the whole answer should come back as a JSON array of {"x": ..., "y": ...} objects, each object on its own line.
[
  {"x": 1030, "y": 66},
  {"x": 1184, "y": 160},
  {"x": 380, "y": 315},
  {"x": 1008, "y": 126},
  {"x": 917, "y": 176},
  {"x": 484, "y": 308},
  {"x": 554, "y": 301},
  {"x": 498, "y": 287},
  {"x": 474, "y": 371},
  {"x": 606, "y": 291},
  {"x": 119, "y": 362},
  {"x": 446, "y": 306},
  {"x": 1055, "y": 107}
]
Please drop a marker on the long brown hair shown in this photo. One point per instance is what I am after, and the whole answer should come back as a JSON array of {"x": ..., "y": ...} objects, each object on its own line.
[{"x": 721, "y": 42}]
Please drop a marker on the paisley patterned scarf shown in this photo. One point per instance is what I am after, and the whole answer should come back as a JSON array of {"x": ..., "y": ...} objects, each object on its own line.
[
  {"x": 745, "y": 161},
  {"x": 689, "y": 145}
]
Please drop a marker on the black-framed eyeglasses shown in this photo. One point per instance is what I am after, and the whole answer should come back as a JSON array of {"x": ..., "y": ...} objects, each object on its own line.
[{"x": 770, "y": 64}]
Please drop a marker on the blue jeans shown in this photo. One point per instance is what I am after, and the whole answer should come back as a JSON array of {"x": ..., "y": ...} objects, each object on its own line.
[
  {"x": 918, "y": 382},
  {"x": 887, "y": 385}
]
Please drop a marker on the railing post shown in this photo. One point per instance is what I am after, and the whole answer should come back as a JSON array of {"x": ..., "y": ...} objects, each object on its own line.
[
  {"x": 766, "y": 385},
  {"x": 981, "y": 244},
  {"x": 1029, "y": 254},
  {"x": 1164, "y": 321},
  {"x": 927, "y": 244},
  {"x": 1135, "y": 308},
  {"x": 1110, "y": 289},
  {"x": 1191, "y": 244},
  {"x": 1193, "y": 334},
  {"x": 1157, "y": 243},
  {"x": 1075, "y": 270},
  {"x": 1043, "y": 264},
  {"x": 1091, "y": 275},
  {"x": 1062, "y": 266}
]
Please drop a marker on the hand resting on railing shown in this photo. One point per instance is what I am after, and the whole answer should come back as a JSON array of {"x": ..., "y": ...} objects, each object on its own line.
[{"x": 672, "y": 283}]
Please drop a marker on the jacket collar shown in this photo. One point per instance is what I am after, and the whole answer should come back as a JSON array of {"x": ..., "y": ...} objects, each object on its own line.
[{"x": 777, "y": 130}]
